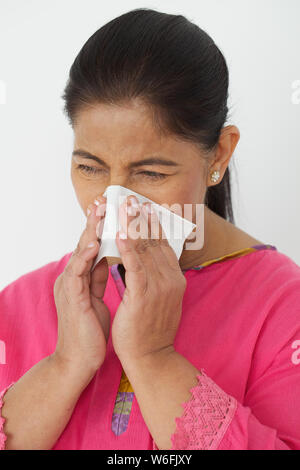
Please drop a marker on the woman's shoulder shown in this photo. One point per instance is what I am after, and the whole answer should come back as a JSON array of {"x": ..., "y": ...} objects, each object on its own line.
[
  {"x": 261, "y": 260},
  {"x": 270, "y": 280},
  {"x": 274, "y": 289},
  {"x": 39, "y": 278},
  {"x": 264, "y": 276},
  {"x": 276, "y": 274},
  {"x": 259, "y": 254},
  {"x": 274, "y": 264}
]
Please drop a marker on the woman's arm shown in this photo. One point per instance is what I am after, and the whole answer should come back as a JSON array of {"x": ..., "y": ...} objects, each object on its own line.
[
  {"x": 190, "y": 411},
  {"x": 39, "y": 405},
  {"x": 185, "y": 409},
  {"x": 143, "y": 335},
  {"x": 161, "y": 382}
]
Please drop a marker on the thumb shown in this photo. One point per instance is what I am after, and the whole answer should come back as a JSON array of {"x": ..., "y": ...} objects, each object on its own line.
[{"x": 99, "y": 278}]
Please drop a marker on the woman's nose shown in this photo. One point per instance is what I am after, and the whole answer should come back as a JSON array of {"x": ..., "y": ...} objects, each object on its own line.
[{"x": 119, "y": 180}]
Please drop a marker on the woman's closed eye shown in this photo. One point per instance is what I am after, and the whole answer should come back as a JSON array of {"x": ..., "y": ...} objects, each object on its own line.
[{"x": 90, "y": 170}]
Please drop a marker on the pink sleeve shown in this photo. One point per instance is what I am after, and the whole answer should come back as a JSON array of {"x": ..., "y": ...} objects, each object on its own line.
[
  {"x": 205, "y": 419},
  {"x": 214, "y": 420},
  {"x": 268, "y": 415},
  {"x": 28, "y": 318},
  {"x": 2, "y": 420}
]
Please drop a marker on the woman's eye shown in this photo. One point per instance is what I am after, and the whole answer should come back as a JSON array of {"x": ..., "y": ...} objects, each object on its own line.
[
  {"x": 152, "y": 174},
  {"x": 90, "y": 170}
]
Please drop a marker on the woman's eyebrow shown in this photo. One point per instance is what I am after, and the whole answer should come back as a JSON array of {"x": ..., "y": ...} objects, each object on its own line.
[
  {"x": 155, "y": 160},
  {"x": 84, "y": 154}
]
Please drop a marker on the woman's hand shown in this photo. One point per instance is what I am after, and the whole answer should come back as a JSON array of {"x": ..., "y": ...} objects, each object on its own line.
[
  {"x": 83, "y": 317},
  {"x": 148, "y": 316}
]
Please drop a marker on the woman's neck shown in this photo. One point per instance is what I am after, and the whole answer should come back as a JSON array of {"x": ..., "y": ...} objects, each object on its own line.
[
  {"x": 220, "y": 238},
  {"x": 214, "y": 237}
]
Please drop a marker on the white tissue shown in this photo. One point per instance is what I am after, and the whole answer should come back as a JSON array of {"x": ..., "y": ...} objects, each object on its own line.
[{"x": 176, "y": 228}]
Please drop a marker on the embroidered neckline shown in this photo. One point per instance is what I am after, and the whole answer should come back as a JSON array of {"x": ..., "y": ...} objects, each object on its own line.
[{"x": 234, "y": 254}]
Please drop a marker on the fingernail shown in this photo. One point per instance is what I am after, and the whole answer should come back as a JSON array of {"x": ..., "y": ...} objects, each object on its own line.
[
  {"x": 89, "y": 209},
  {"x": 123, "y": 235},
  {"x": 100, "y": 210},
  {"x": 131, "y": 210},
  {"x": 134, "y": 202},
  {"x": 91, "y": 245},
  {"x": 96, "y": 202},
  {"x": 149, "y": 208}
]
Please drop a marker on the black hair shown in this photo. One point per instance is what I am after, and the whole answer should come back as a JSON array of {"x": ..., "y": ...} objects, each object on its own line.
[{"x": 169, "y": 63}]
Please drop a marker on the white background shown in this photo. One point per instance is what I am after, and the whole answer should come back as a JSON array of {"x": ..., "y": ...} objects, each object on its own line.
[{"x": 41, "y": 219}]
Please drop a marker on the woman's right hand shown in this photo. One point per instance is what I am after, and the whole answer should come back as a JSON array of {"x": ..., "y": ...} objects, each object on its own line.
[{"x": 83, "y": 317}]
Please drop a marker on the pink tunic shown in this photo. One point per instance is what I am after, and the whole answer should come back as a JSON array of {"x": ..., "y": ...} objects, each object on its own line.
[{"x": 240, "y": 326}]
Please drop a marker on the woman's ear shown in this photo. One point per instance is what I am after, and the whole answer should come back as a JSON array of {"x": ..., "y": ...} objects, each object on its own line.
[{"x": 228, "y": 140}]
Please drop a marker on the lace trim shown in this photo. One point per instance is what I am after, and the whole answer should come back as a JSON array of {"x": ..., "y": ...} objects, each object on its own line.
[
  {"x": 205, "y": 419},
  {"x": 3, "y": 437}
]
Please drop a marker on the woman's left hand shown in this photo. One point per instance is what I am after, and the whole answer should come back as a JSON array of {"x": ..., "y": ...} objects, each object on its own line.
[{"x": 148, "y": 316}]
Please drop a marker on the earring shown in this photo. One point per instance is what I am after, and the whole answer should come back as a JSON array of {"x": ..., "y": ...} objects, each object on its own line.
[{"x": 215, "y": 176}]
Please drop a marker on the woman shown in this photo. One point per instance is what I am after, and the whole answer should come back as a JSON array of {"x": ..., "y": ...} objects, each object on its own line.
[{"x": 152, "y": 352}]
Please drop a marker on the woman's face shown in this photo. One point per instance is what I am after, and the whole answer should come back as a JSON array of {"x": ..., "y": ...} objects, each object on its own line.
[{"x": 122, "y": 137}]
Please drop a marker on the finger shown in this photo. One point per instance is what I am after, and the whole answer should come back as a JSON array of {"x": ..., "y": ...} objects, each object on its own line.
[
  {"x": 129, "y": 217},
  {"x": 95, "y": 215},
  {"x": 98, "y": 282},
  {"x": 155, "y": 233},
  {"x": 77, "y": 273},
  {"x": 94, "y": 226},
  {"x": 135, "y": 268},
  {"x": 77, "y": 270},
  {"x": 135, "y": 272},
  {"x": 164, "y": 255},
  {"x": 138, "y": 232},
  {"x": 99, "y": 278}
]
